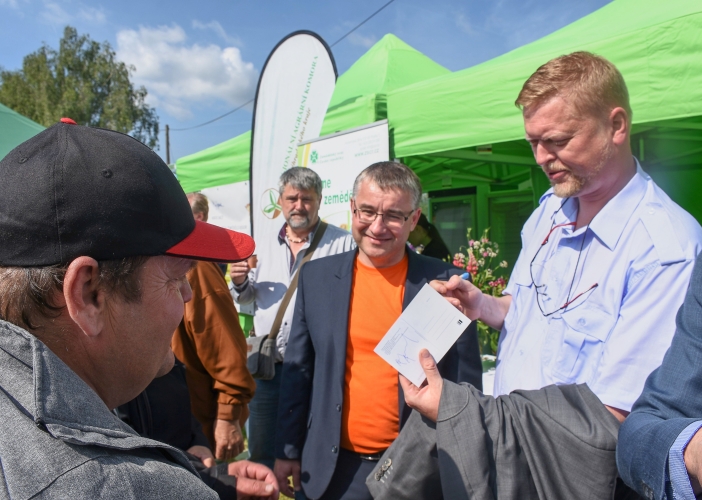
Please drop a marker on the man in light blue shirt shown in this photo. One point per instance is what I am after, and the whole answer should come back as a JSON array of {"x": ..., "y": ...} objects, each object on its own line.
[
  {"x": 606, "y": 259},
  {"x": 634, "y": 259}
]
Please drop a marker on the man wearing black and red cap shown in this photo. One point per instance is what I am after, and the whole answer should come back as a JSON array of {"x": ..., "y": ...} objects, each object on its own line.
[{"x": 96, "y": 237}]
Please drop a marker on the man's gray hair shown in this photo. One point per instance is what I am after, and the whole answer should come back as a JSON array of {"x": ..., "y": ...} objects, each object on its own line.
[
  {"x": 300, "y": 178},
  {"x": 389, "y": 175},
  {"x": 28, "y": 294}
]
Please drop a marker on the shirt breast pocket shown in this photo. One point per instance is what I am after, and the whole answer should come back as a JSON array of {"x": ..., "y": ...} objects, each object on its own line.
[
  {"x": 585, "y": 331},
  {"x": 521, "y": 286}
]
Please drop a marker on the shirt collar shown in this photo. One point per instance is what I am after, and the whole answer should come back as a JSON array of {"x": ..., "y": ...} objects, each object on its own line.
[
  {"x": 608, "y": 225},
  {"x": 282, "y": 232}
]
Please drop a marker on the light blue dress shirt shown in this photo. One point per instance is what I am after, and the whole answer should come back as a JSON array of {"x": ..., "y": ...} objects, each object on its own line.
[{"x": 639, "y": 250}]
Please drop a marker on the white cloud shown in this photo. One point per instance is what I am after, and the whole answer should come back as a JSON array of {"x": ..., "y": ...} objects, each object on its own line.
[
  {"x": 464, "y": 24},
  {"x": 53, "y": 13},
  {"x": 523, "y": 22},
  {"x": 9, "y": 3},
  {"x": 92, "y": 15},
  {"x": 218, "y": 30},
  {"x": 363, "y": 41},
  {"x": 179, "y": 75}
]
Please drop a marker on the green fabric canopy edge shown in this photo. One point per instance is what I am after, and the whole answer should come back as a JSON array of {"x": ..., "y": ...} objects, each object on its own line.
[
  {"x": 15, "y": 129},
  {"x": 225, "y": 163}
]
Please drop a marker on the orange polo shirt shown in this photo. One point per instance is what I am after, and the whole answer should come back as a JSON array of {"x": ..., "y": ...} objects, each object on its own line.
[{"x": 370, "y": 420}]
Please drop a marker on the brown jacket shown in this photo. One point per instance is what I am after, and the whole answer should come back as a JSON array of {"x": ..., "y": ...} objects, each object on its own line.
[{"x": 211, "y": 344}]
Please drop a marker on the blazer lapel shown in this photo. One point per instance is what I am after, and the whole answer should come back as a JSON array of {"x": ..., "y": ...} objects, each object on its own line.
[
  {"x": 416, "y": 279},
  {"x": 343, "y": 276}
]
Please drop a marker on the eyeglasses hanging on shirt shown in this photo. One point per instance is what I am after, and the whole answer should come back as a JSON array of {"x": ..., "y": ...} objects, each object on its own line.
[{"x": 538, "y": 288}]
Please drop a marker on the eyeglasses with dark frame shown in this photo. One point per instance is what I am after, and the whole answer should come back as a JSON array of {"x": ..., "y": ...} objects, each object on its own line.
[
  {"x": 367, "y": 216},
  {"x": 538, "y": 287}
]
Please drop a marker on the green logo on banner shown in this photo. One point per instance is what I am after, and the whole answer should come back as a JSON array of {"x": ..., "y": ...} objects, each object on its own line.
[
  {"x": 269, "y": 202},
  {"x": 313, "y": 157}
]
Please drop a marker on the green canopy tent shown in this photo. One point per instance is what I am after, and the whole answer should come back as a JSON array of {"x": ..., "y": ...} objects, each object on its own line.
[
  {"x": 360, "y": 93},
  {"x": 359, "y": 99},
  {"x": 15, "y": 129},
  {"x": 225, "y": 163},
  {"x": 464, "y": 137}
]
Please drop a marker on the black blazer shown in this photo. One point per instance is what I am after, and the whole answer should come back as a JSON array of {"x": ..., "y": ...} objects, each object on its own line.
[{"x": 311, "y": 392}]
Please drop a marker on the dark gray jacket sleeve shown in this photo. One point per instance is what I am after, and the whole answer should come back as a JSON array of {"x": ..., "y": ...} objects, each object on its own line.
[{"x": 128, "y": 477}]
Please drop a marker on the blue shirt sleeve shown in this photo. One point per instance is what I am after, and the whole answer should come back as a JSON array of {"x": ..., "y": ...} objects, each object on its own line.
[{"x": 679, "y": 481}]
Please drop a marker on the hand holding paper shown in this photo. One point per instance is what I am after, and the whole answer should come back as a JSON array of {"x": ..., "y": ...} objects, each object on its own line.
[
  {"x": 427, "y": 398},
  {"x": 429, "y": 322}
]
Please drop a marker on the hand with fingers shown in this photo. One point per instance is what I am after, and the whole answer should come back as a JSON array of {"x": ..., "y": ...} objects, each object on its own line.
[
  {"x": 254, "y": 481},
  {"x": 229, "y": 441},
  {"x": 463, "y": 294},
  {"x": 468, "y": 299},
  {"x": 238, "y": 271},
  {"x": 283, "y": 470},
  {"x": 203, "y": 453},
  {"x": 426, "y": 398}
]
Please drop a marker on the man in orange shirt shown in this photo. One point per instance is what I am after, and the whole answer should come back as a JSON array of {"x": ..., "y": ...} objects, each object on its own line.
[{"x": 341, "y": 405}]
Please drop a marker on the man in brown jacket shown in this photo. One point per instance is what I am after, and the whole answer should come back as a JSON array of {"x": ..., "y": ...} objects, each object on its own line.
[{"x": 211, "y": 344}]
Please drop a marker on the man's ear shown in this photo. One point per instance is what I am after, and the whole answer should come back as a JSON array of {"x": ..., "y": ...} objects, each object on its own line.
[
  {"x": 619, "y": 121},
  {"x": 85, "y": 300},
  {"x": 415, "y": 218}
]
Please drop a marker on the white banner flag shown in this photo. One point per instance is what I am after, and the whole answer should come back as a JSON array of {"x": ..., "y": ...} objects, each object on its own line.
[{"x": 293, "y": 94}]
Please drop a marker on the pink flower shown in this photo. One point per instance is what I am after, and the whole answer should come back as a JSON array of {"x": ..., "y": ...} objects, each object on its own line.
[{"x": 485, "y": 254}]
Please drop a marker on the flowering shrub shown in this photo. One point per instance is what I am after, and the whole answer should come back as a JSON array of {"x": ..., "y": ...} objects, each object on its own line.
[{"x": 477, "y": 259}]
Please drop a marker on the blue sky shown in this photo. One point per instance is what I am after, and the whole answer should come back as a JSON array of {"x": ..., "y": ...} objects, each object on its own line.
[{"x": 201, "y": 59}]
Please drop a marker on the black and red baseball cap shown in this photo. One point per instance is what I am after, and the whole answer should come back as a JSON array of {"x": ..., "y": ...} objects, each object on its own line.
[{"x": 72, "y": 190}]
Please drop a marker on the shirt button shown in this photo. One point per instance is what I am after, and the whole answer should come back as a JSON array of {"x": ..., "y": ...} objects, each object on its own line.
[
  {"x": 338, "y": 407},
  {"x": 652, "y": 211},
  {"x": 582, "y": 321},
  {"x": 335, "y": 449}
]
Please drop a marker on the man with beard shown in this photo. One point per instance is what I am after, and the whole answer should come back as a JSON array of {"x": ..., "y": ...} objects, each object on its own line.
[
  {"x": 606, "y": 259},
  {"x": 300, "y": 198}
]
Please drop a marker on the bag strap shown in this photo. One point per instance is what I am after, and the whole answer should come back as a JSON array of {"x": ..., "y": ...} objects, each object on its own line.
[{"x": 293, "y": 284}]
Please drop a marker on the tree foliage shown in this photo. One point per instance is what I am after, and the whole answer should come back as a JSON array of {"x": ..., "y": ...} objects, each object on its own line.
[{"x": 84, "y": 81}]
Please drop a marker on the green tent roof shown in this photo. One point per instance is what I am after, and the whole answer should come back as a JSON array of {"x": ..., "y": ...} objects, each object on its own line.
[
  {"x": 15, "y": 129},
  {"x": 360, "y": 94},
  {"x": 225, "y": 163},
  {"x": 358, "y": 99},
  {"x": 656, "y": 45}
]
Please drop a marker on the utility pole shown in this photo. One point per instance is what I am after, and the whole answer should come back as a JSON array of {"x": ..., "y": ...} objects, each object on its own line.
[{"x": 168, "y": 146}]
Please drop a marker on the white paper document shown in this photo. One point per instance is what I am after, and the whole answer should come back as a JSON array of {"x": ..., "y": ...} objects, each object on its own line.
[{"x": 429, "y": 322}]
